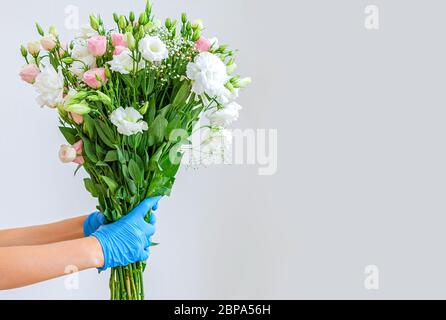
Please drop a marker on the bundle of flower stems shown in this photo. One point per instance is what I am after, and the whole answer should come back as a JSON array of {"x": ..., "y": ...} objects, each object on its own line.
[{"x": 129, "y": 100}]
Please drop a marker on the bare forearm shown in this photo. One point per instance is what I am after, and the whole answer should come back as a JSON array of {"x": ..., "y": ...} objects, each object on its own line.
[
  {"x": 22, "y": 266},
  {"x": 45, "y": 234}
]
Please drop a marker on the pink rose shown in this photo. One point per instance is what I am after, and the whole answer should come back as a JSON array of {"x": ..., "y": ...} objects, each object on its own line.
[
  {"x": 119, "y": 50},
  {"x": 29, "y": 73},
  {"x": 97, "y": 45},
  {"x": 119, "y": 40},
  {"x": 77, "y": 118},
  {"x": 91, "y": 80},
  {"x": 203, "y": 45}
]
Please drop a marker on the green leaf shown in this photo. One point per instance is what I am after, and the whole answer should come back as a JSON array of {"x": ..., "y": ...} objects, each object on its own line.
[
  {"x": 111, "y": 156},
  {"x": 112, "y": 185},
  {"x": 154, "y": 161},
  {"x": 90, "y": 186},
  {"x": 150, "y": 116},
  {"x": 136, "y": 172},
  {"x": 158, "y": 128},
  {"x": 182, "y": 94},
  {"x": 89, "y": 126},
  {"x": 69, "y": 134},
  {"x": 89, "y": 150},
  {"x": 106, "y": 134}
]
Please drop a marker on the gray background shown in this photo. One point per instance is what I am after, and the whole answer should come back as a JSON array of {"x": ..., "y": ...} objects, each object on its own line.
[{"x": 361, "y": 178}]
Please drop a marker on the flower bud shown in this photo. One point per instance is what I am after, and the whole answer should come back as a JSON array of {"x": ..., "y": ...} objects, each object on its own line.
[
  {"x": 144, "y": 109},
  {"x": 148, "y": 7},
  {"x": 81, "y": 108},
  {"x": 184, "y": 17},
  {"x": 148, "y": 27},
  {"x": 107, "y": 72},
  {"x": 48, "y": 43},
  {"x": 131, "y": 40},
  {"x": 142, "y": 33},
  {"x": 143, "y": 19},
  {"x": 197, "y": 35},
  {"x": 132, "y": 16},
  {"x": 94, "y": 23},
  {"x": 197, "y": 24},
  {"x": 40, "y": 30},
  {"x": 115, "y": 17},
  {"x": 243, "y": 83},
  {"x": 23, "y": 51},
  {"x": 122, "y": 23},
  {"x": 34, "y": 48},
  {"x": 53, "y": 31},
  {"x": 67, "y": 60},
  {"x": 168, "y": 23}
]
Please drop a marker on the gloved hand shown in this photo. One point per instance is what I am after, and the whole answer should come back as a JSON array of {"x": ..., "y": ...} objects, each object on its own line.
[
  {"x": 93, "y": 222},
  {"x": 128, "y": 240}
]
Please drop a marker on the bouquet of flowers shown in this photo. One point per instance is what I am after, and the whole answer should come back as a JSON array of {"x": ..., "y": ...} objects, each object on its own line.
[{"x": 129, "y": 100}]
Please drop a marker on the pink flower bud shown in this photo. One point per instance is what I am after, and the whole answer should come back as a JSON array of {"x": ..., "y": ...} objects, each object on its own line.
[
  {"x": 97, "y": 45},
  {"x": 91, "y": 80},
  {"x": 203, "y": 45},
  {"x": 77, "y": 118},
  {"x": 29, "y": 73},
  {"x": 48, "y": 43}
]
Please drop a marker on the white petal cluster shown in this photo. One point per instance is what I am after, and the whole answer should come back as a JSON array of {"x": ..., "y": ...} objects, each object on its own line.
[
  {"x": 208, "y": 74},
  {"x": 86, "y": 32},
  {"x": 225, "y": 116},
  {"x": 80, "y": 52},
  {"x": 128, "y": 121},
  {"x": 123, "y": 63},
  {"x": 153, "y": 49},
  {"x": 49, "y": 85}
]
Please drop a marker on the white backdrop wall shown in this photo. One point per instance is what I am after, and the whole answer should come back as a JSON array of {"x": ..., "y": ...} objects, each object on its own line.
[{"x": 361, "y": 160}]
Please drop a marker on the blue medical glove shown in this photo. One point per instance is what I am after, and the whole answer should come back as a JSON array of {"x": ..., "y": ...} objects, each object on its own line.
[
  {"x": 93, "y": 222},
  {"x": 128, "y": 240}
]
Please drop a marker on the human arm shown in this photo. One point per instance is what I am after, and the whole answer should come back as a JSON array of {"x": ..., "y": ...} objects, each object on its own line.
[{"x": 118, "y": 244}]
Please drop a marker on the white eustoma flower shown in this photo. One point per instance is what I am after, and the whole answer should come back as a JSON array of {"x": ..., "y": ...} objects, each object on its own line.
[
  {"x": 80, "y": 52},
  {"x": 128, "y": 121},
  {"x": 225, "y": 96},
  {"x": 153, "y": 49},
  {"x": 50, "y": 86},
  {"x": 123, "y": 63},
  {"x": 86, "y": 32},
  {"x": 208, "y": 74},
  {"x": 226, "y": 116}
]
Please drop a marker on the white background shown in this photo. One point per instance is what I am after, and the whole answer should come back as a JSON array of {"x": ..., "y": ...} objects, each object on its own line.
[{"x": 361, "y": 164}]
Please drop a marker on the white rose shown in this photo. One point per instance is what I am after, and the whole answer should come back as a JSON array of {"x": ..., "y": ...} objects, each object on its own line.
[
  {"x": 80, "y": 52},
  {"x": 67, "y": 154},
  {"x": 86, "y": 32},
  {"x": 50, "y": 85},
  {"x": 123, "y": 63},
  {"x": 208, "y": 74},
  {"x": 226, "y": 116},
  {"x": 153, "y": 49},
  {"x": 128, "y": 121}
]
